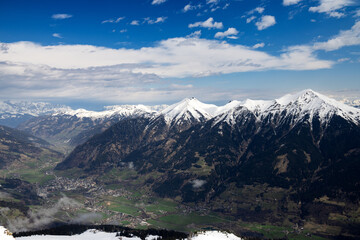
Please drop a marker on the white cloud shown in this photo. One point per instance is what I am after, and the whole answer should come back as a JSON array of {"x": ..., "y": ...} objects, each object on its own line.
[
  {"x": 157, "y": 2},
  {"x": 197, "y": 183},
  {"x": 250, "y": 19},
  {"x": 113, "y": 20},
  {"x": 349, "y": 37},
  {"x": 258, "y": 10},
  {"x": 212, "y": 1},
  {"x": 174, "y": 57},
  {"x": 29, "y": 70},
  {"x": 57, "y": 35},
  {"x": 290, "y": 2},
  {"x": 343, "y": 60},
  {"x": 258, "y": 45},
  {"x": 228, "y": 33},
  {"x": 190, "y": 7},
  {"x": 195, "y": 34},
  {"x": 332, "y": 7},
  {"x": 209, "y": 23},
  {"x": 123, "y": 30},
  {"x": 357, "y": 13},
  {"x": 61, "y": 16},
  {"x": 265, "y": 22},
  {"x": 153, "y": 21},
  {"x": 135, "y": 22}
]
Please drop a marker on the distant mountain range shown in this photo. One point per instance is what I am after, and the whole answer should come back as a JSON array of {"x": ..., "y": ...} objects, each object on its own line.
[
  {"x": 13, "y": 113},
  {"x": 290, "y": 159},
  {"x": 304, "y": 146},
  {"x": 301, "y": 141}
]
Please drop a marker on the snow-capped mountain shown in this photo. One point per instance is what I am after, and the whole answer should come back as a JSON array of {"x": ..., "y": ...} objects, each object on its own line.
[
  {"x": 121, "y": 111},
  {"x": 72, "y": 127},
  {"x": 304, "y": 105},
  {"x": 30, "y": 108},
  {"x": 189, "y": 109},
  {"x": 12, "y": 113},
  {"x": 283, "y": 140},
  {"x": 309, "y": 104}
]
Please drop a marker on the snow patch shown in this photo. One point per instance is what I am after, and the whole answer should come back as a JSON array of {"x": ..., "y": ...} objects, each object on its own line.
[
  {"x": 215, "y": 235},
  {"x": 5, "y": 234},
  {"x": 88, "y": 235}
]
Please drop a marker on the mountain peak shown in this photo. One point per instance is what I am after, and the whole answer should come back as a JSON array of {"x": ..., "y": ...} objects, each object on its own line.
[
  {"x": 311, "y": 103},
  {"x": 304, "y": 95},
  {"x": 189, "y": 109}
]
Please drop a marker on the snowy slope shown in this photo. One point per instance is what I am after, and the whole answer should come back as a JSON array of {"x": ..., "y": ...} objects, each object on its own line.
[
  {"x": 5, "y": 234},
  {"x": 98, "y": 235},
  {"x": 189, "y": 109},
  {"x": 304, "y": 105},
  {"x": 313, "y": 104},
  {"x": 121, "y": 111}
]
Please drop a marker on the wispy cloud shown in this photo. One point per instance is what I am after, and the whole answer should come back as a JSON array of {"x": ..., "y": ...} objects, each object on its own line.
[
  {"x": 290, "y": 2},
  {"x": 117, "y": 20},
  {"x": 349, "y": 37},
  {"x": 230, "y": 33},
  {"x": 209, "y": 23},
  {"x": 258, "y": 10},
  {"x": 258, "y": 45},
  {"x": 250, "y": 19},
  {"x": 135, "y": 22},
  {"x": 195, "y": 34},
  {"x": 154, "y": 21},
  {"x": 61, "y": 16},
  {"x": 157, "y": 2},
  {"x": 190, "y": 7},
  {"x": 331, "y": 7},
  {"x": 265, "y": 22},
  {"x": 197, "y": 183},
  {"x": 212, "y": 2},
  {"x": 57, "y": 35}
]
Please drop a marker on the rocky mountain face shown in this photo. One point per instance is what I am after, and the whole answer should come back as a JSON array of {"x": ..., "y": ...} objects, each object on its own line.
[
  {"x": 73, "y": 127},
  {"x": 295, "y": 153}
]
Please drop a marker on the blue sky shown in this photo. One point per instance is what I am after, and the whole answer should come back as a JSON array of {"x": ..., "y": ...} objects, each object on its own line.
[{"x": 160, "y": 51}]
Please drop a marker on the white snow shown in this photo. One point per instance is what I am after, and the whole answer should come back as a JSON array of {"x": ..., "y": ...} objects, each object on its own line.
[
  {"x": 189, "y": 109},
  {"x": 308, "y": 102},
  {"x": 10, "y": 109},
  {"x": 5, "y": 234},
  {"x": 215, "y": 235},
  {"x": 88, "y": 235},
  {"x": 116, "y": 110},
  {"x": 99, "y": 235},
  {"x": 298, "y": 105}
]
